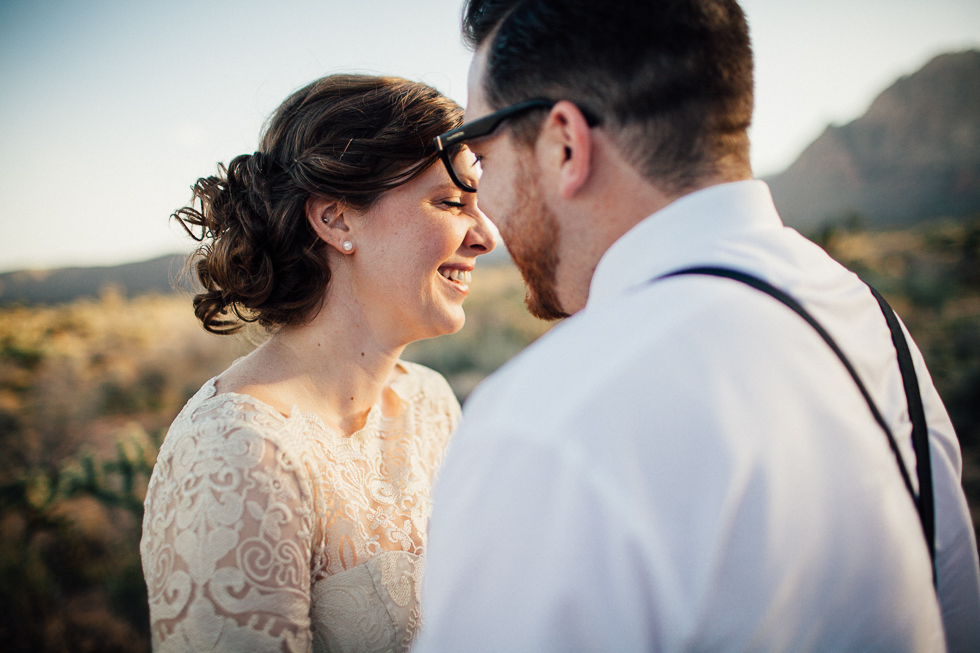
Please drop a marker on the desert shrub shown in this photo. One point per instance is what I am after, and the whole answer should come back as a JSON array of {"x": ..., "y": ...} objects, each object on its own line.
[{"x": 86, "y": 392}]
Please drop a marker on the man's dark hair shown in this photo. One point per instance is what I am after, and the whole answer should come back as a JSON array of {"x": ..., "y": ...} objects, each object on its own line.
[{"x": 671, "y": 80}]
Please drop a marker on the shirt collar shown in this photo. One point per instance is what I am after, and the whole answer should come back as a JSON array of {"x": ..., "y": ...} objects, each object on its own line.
[{"x": 682, "y": 234}]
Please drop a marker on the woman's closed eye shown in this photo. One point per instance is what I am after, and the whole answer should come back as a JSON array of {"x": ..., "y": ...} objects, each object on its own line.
[{"x": 454, "y": 204}]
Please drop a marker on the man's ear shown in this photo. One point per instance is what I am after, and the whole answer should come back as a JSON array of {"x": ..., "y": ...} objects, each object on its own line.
[
  {"x": 567, "y": 148},
  {"x": 326, "y": 217}
]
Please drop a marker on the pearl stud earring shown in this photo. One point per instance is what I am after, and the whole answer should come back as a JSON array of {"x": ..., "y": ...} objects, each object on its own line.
[{"x": 348, "y": 245}]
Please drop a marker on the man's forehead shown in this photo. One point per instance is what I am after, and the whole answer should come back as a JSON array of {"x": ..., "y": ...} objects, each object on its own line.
[{"x": 476, "y": 106}]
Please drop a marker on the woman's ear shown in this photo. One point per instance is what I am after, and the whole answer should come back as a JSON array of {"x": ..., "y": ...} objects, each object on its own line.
[{"x": 326, "y": 217}]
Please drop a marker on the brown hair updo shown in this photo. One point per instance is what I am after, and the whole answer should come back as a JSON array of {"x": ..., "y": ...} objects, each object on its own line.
[{"x": 348, "y": 138}]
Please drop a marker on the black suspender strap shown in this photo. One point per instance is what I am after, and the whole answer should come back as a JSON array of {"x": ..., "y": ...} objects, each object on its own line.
[
  {"x": 920, "y": 435},
  {"x": 920, "y": 432}
]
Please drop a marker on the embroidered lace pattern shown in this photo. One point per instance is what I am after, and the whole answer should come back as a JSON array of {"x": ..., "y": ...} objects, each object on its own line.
[{"x": 270, "y": 533}]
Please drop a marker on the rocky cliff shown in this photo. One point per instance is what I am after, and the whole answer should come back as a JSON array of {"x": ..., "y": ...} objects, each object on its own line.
[{"x": 915, "y": 155}]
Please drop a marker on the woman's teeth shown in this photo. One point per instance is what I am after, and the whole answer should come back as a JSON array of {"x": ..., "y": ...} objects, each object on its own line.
[{"x": 464, "y": 276}]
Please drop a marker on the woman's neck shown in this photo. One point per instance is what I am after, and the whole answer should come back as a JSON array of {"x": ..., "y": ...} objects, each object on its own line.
[{"x": 335, "y": 367}]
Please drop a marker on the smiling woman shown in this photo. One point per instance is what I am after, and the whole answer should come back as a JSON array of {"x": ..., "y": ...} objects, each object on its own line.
[{"x": 288, "y": 505}]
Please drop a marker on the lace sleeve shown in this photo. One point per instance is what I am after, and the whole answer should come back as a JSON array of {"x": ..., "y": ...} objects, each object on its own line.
[{"x": 226, "y": 541}]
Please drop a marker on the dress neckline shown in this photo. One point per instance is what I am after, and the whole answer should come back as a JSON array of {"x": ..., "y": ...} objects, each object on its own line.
[{"x": 404, "y": 386}]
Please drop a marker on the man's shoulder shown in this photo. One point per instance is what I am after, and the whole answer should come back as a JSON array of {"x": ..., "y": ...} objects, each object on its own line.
[{"x": 638, "y": 353}]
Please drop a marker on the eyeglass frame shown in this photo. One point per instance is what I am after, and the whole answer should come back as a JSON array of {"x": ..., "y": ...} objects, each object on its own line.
[{"x": 484, "y": 127}]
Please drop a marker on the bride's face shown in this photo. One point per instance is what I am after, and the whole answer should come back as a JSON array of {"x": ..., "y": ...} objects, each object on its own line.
[{"x": 415, "y": 251}]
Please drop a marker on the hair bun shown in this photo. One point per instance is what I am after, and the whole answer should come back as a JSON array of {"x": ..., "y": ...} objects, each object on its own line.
[{"x": 267, "y": 164}]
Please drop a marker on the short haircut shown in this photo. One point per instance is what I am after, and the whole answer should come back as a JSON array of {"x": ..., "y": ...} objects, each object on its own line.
[{"x": 671, "y": 80}]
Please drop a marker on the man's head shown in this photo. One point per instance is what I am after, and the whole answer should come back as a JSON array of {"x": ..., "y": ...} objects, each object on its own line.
[
  {"x": 669, "y": 83},
  {"x": 671, "y": 80}
]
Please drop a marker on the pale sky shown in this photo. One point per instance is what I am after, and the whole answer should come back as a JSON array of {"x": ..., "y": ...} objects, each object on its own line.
[{"x": 109, "y": 110}]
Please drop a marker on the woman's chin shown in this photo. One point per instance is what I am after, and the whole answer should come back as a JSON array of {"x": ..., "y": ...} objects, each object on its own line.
[{"x": 448, "y": 324}]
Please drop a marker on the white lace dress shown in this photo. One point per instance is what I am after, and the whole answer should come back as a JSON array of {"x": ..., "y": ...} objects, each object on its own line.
[{"x": 270, "y": 533}]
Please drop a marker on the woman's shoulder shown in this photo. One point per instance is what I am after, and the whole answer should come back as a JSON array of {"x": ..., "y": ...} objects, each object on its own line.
[
  {"x": 422, "y": 383},
  {"x": 210, "y": 418},
  {"x": 432, "y": 400}
]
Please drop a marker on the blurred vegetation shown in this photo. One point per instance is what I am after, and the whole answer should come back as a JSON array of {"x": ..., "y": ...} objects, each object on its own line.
[{"x": 88, "y": 389}]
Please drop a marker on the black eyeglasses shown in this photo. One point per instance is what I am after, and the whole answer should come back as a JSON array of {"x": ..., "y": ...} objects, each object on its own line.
[{"x": 447, "y": 145}]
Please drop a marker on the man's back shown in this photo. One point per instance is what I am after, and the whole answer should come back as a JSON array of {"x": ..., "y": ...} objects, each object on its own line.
[{"x": 686, "y": 465}]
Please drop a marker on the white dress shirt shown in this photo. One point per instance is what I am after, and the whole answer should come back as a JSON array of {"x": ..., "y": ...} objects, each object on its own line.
[{"x": 686, "y": 466}]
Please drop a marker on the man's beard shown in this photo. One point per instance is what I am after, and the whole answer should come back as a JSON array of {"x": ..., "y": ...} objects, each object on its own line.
[{"x": 533, "y": 245}]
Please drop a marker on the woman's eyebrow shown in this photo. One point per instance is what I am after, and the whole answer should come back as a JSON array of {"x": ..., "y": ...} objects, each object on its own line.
[{"x": 446, "y": 187}]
